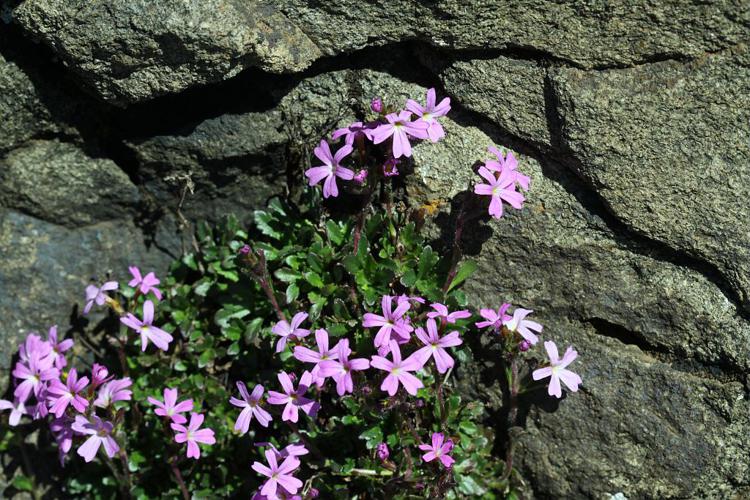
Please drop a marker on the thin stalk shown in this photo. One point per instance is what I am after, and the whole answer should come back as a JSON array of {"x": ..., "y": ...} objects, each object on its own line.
[
  {"x": 178, "y": 478},
  {"x": 512, "y": 376}
]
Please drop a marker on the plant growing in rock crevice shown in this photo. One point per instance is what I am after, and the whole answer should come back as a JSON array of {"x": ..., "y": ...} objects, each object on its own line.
[{"x": 328, "y": 340}]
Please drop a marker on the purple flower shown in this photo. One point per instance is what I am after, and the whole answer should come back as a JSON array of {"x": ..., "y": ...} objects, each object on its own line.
[
  {"x": 17, "y": 409},
  {"x": 250, "y": 404},
  {"x": 148, "y": 331},
  {"x": 40, "y": 348},
  {"x": 398, "y": 371},
  {"x": 502, "y": 188},
  {"x": 294, "y": 399},
  {"x": 510, "y": 163},
  {"x": 193, "y": 434},
  {"x": 63, "y": 433},
  {"x": 286, "y": 330},
  {"x": 58, "y": 348},
  {"x": 392, "y": 321},
  {"x": 114, "y": 391},
  {"x": 400, "y": 128},
  {"x": 96, "y": 294},
  {"x": 524, "y": 346},
  {"x": 523, "y": 326},
  {"x": 330, "y": 169},
  {"x": 351, "y": 132},
  {"x": 376, "y": 104},
  {"x": 244, "y": 250},
  {"x": 434, "y": 346},
  {"x": 342, "y": 368},
  {"x": 170, "y": 407},
  {"x": 101, "y": 434},
  {"x": 278, "y": 475},
  {"x": 34, "y": 374},
  {"x": 322, "y": 354},
  {"x": 440, "y": 449},
  {"x": 390, "y": 167},
  {"x": 361, "y": 177},
  {"x": 60, "y": 395},
  {"x": 430, "y": 112},
  {"x": 144, "y": 283},
  {"x": 494, "y": 318},
  {"x": 441, "y": 311},
  {"x": 557, "y": 370},
  {"x": 383, "y": 452},
  {"x": 99, "y": 375}
]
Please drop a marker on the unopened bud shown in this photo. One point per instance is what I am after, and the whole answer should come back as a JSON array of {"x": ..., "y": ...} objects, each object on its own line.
[
  {"x": 376, "y": 105},
  {"x": 244, "y": 250},
  {"x": 524, "y": 346},
  {"x": 361, "y": 177},
  {"x": 383, "y": 452}
]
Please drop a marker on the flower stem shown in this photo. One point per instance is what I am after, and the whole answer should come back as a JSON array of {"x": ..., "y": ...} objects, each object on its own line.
[
  {"x": 178, "y": 478},
  {"x": 512, "y": 376}
]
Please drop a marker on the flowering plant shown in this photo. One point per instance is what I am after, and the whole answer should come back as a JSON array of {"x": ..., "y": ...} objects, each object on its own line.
[{"x": 331, "y": 353}]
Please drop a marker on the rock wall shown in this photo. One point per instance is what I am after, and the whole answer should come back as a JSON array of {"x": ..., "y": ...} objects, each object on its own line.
[{"x": 121, "y": 122}]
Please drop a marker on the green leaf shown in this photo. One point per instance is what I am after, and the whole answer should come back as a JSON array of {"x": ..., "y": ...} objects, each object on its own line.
[
  {"x": 135, "y": 459},
  {"x": 224, "y": 315},
  {"x": 372, "y": 437},
  {"x": 292, "y": 292},
  {"x": 465, "y": 270},
  {"x": 287, "y": 275},
  {"x": 263, "y": 221},
  {"x": 206, "y": 358},
  {"x": 314, "y": 279},
  {"x": 22, "y": 483},
  {"x": 336, "y": 232}
]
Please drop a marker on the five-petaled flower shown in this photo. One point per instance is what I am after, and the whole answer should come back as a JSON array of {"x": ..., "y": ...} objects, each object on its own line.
[
  {"x": 294, "y": 399},
  {"x": 17, "y": 409},
  {"x": 114, "y": 391},
  {"x": 507, "y": 162},
  {"x": 392, "y": 321},
  {"x": 494, "y": 319},
  {"x": 170, "y": 408},
  {"x": 558, "y": 371},
  {"x": 439, "y": 449},
  {"x": 499, "y": 188},
  {"x": 307, "y": 355},
  {"x": 250, "y": 404},
  {"x": 34, "y": 373},
  {"x": 59, "y": 347},
  {"x": 434, "y": 346},
  {"x": 145, "y": 327},
  {"x": 61, "y": 395},
  {"x": 398, "y": 371},
  {"x": 400, "y": 127},
  {"x": 193, "y": 434},
  {"x": 95, "y": 294},
  {"x": 429, "y": 112},
  {"x": 330, "y": 169},
  {"x": 353, "y": 131},
  {"x": 101, "y": 434},
  {"x": 286, "y": 330},
  {"x": 279, "y": 475},
  {"x": 525, "y": 327},
  {"x": 342, "y": 367},
  {"x": 441, "y": 311},
  {"x": 146, "y": 283}
]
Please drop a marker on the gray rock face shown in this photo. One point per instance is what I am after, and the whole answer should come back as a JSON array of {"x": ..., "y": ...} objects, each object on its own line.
[
  {"x": 136, "y": 50},
  {"x": 131, "y": 51},
  {"x": 677, "y": 165},
  {"x": 57, "y": 182}
]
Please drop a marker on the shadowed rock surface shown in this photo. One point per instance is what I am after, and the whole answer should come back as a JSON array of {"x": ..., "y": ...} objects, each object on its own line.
[{"x": 633, "y": 122}]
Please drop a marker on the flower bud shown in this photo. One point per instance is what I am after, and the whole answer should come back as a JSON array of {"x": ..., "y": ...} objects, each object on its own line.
[
  {"x": 524, "y": 346},
  {"x": 313, "y": 493},
  {"x": 99, "y": 374},
  {"x": 383, "y": 452},
  {"x": 361, "y": 177},
  {"x": 244, "y": 250},
  {"x": 376, "y": 105}
]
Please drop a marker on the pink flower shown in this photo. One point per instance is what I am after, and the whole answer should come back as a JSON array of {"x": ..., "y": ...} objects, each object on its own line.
[
  {"x": 170, "y": 408},
  {"x": 376, "y": 104},
  {"x": 193, "y": 434},
  {"x": 278, "y": 475},
  {"x": 440, "y": 449},
  {"x": 285, "y": 330},
  {"x": 58, "y": 348},
  {"x": 34, "y": 374},
  {"x": 494, "y": 318},
  {"x": 63, "y": 433},
  {"x": 434, "y": 346},
  {"x": 351, "y": 132},
  {"x": 361, "y": 177},
  {"x": 502, "y": 188},
  {"x": 293, "y": 398},
  {"x": 17, "y": 409},
  {"x": 323, "y": 353},
  {"x": 400, "y": 128},
  {"x": 148, "y": 331},
  {"x": 390, "y": 167},
  {"x": 40, "y": 348},
  {"x": 523, "y": 326},
  {"x": 341, "y": 369},
  {"x": 60, "y": 395},
  {"x": 508, "y": 162},
  {"x": 441, "y": 311},
  {"x": 557, "y": 370},
  {"x": 100, "y": 432},
  {"x": 392, "y": 321},
  {"x": 144, "y": 283},
  {"x": 250, "y": 404},
  {"x": 398, "y": 371},
  {"x": 99, "y": 375},
  {"x": 114, "y": 391},
  {"x": 96, "y": 294},
  {"x": 383, "y": 452},
  {"x": 430, "y": 112},
  {"x": 330, "y": 169}
]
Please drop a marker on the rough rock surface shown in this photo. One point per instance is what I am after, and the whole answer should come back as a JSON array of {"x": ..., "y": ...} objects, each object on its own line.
[
  {"x": 633, "y": 122},
  {"x": 56, "y": 181}
]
